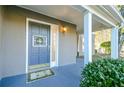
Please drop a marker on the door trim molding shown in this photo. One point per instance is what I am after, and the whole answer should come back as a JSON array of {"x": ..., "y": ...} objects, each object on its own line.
[{"x": 57, "y": 45}]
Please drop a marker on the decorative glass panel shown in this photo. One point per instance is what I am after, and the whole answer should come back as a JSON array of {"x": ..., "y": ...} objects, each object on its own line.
[{"x": 39, "y": 41}]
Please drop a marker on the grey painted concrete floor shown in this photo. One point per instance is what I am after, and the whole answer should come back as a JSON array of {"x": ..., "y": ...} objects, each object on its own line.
[{"x": 65, "y": 76}]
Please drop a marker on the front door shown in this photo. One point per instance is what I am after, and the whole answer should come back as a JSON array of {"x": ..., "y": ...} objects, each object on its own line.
[{"x": 38, "y": 44}]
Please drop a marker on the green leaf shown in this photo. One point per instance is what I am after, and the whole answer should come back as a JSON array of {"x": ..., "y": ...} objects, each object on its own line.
[{"x": 105, "y": 72}]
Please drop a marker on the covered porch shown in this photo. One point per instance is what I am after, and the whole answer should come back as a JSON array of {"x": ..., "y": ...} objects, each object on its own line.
[
  {"x": 88, "y": 19},
  {"x": 65, "y": 76},
  {"x": 67, "y": 68}
]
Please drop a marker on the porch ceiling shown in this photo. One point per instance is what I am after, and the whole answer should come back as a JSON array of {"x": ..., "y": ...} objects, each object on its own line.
[{"x": 67, "y": 13}]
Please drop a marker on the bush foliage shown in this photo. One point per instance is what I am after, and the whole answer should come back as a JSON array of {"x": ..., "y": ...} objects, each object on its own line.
[
  {"x": 104, "y": 72},
  {"x": 107, "y": 46}
]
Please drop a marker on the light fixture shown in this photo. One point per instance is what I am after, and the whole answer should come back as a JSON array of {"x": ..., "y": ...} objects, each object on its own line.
[{"x": 63, "y": 29}]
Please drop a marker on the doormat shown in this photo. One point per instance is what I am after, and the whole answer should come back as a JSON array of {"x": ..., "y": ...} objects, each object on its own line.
[
  {"x": 39, "y": 74},
  {"x": 38, "y": 66}
]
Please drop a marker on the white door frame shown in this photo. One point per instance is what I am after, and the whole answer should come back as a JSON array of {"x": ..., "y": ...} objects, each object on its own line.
[{"x": 52, "y": 64}]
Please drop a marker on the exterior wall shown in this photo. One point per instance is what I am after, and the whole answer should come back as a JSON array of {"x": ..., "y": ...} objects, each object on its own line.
[
  {"x": 68, "y": 47},
  {"x": 14, "y": 40},
  {"x": 1, "y": 19},
  {"x": 81, "y": 45}
]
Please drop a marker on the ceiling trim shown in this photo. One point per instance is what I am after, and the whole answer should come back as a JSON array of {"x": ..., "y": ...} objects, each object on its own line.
[
  {"x": 44, "y": 14},
  {"x": 99, "y": 14}
]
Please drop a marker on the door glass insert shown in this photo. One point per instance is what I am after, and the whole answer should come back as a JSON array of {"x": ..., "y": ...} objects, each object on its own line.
[{"x": 39, "y": 41}]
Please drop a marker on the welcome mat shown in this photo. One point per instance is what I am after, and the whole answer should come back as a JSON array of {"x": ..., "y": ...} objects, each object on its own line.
[
  {"x": 39, "y": 66},
  {"x": 39, "y": 74}
]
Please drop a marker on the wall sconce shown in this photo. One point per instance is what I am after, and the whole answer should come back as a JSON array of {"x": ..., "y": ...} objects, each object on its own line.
[{"x": 63, "y": 29}]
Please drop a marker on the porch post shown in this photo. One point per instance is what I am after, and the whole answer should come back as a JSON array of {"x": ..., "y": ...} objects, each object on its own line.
[
  {"x": 87, "y": 38},
  {"x": 115, "y": 43}
]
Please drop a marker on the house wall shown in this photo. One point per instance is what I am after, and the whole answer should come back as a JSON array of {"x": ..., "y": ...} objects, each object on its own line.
[
  {"x": 68, "y": 47},
  {"x": 1, "y": 19},
  {"x": 14, "y": 40}
]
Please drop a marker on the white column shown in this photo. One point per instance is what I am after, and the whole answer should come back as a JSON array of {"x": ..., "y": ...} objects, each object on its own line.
[
  {"x": 115, "y": 43},
  {"x": 87, "y": 38}
]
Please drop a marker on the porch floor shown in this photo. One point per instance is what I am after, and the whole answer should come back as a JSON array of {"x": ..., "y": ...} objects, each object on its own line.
[{"x": 65, "y": 76}]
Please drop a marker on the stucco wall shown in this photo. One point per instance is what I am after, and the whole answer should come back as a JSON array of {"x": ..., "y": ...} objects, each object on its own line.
[{"x": 14, "y": 40}]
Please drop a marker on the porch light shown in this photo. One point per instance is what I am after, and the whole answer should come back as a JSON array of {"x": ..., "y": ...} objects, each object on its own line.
[{"x": 64, "y": 29}]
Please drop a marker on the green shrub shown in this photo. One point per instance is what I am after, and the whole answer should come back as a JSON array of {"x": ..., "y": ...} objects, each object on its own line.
[
  {"x": 107, "y": 46},
  {"x": 103, "y": 73}
]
